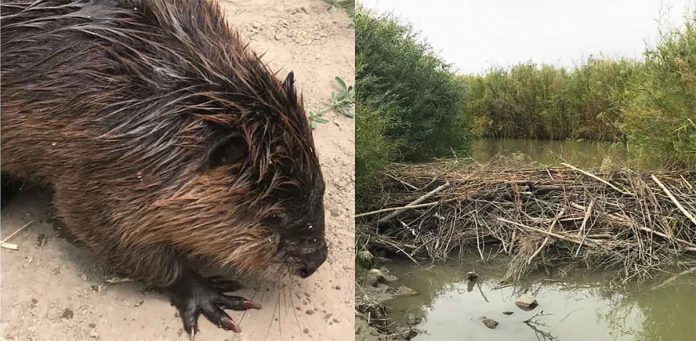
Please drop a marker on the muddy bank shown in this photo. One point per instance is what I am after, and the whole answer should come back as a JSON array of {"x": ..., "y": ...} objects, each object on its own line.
[{"x": 374, "y": 288}]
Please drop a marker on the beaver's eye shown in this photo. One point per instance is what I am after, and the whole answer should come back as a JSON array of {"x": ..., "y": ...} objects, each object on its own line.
[{"x": 274, "y": 220}]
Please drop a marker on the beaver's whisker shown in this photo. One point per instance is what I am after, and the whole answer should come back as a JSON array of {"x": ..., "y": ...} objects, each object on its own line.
[
  {"x": 270, "y": 324},
  {"x": 294, "y": 310},
  {"x": 278, "y": 304}
]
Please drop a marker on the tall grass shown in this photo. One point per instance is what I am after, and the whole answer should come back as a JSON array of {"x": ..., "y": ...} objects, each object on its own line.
[{"x": 546, "y": 102}]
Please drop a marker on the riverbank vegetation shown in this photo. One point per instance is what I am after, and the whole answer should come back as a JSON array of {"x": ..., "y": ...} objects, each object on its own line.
[
  {"x": 409, "y": 99},
  {"x": 649, "y": 104},
  {"x": 411, "y": 107}
]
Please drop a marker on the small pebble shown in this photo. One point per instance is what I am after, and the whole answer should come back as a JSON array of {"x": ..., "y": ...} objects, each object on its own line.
[
  {"x": 67, "y": 313},
  {"x": 84, "y": 277},
  {"x": 306, "y": 331},
  {"x": 41, "y": 240}
]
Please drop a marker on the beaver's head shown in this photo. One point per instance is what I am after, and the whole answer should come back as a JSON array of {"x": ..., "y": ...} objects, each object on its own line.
[
  {"x": 230, "y": 174},
  {"x": 254, "y": 201}
]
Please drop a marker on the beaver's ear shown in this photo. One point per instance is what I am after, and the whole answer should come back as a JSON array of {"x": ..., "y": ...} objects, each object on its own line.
[
  {"x": 289, "y": 86},
  {"x": 225, "y": 150}
]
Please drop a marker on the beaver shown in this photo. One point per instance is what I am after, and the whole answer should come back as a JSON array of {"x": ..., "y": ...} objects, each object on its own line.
[{"x": 166, "y": 142}]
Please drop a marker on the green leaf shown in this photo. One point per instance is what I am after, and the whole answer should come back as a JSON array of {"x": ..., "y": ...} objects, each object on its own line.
[{"x": 341, "y": 83}]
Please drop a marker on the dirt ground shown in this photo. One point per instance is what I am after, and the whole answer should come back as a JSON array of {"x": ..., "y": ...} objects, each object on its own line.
[{"x": 53, "y": 290}]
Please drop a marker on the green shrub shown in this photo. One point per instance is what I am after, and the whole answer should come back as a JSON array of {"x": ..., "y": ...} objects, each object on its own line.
[
  {"x": 422, "y": 90},
  {"x": 660, "y": 118}
]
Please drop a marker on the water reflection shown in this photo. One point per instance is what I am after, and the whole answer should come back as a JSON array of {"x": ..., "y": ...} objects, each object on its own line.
[
  {"x": 582, "y": 307},
  {"x": 583, "y": 154}
]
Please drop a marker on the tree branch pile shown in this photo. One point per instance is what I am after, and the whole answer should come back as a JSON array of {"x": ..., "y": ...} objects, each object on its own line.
[{"x": 635, "y": 222}]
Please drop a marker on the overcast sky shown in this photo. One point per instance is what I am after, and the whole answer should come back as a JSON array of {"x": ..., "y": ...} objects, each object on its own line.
[{"x": 475, "y": 35}]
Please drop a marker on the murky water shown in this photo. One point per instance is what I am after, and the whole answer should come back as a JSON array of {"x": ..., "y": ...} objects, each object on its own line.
[
  {"x": 585, "y": 154},
  {"x": 579, "y": 308}
]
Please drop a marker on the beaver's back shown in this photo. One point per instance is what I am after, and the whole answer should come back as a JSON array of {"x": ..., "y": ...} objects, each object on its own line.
[{"x": 100, "y": 88}]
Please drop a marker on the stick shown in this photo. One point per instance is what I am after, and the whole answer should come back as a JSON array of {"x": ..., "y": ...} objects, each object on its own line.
[
  {"x": 597, "y": 178},
  {"x": 478, "y": 284},
  {"x": 9, "y": 246},
  {"x": 15, "y": 232},
  {"x": 555, "y": 220},
  {"x": 402, "y": 181},
  {"x": 395, "y": 209},
  {"x": 674, "y": 277},
  {"x": 540, "y": 231},
  {"x": 666, "y": 236},
  {"x": 674, "y": 200},
  {"x": 686, "y": 182},
  {"x": 417, "y": 201},
  {"x": 582, "y": 227}
]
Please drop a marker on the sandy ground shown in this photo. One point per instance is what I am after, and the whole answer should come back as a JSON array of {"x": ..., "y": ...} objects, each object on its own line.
[{"x": 51, "y": 287}]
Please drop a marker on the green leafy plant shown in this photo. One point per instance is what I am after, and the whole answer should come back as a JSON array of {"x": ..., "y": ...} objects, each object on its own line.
[
  {"x": 342, "y": 100},
  {"x": 346, "y": 5},
  {"x": 317, "y": 117}
]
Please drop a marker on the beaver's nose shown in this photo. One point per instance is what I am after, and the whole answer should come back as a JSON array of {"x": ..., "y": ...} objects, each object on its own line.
[{"x": 310, "y": 262}]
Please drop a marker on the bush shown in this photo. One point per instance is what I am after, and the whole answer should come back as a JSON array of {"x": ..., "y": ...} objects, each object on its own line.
[
  {"x": 422, "y": 90},
  {"x": 545, "y": 102},
  {"x": 409, "y": 103},
  {"x": 660, "y": 118}
]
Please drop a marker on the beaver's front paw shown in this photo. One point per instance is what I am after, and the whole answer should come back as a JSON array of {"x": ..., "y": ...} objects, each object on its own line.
[{"x": 193, "y": 296}]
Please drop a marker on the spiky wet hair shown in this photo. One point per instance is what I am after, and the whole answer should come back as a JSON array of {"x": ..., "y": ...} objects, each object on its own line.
[{"x": 157, "y": 96}]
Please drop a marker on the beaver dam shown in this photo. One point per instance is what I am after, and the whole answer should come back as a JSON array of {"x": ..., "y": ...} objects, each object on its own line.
[{"x": 639, "y": 223}]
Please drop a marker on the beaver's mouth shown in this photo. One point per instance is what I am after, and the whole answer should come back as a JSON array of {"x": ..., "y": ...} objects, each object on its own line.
[{"x": 304, "y": 258}]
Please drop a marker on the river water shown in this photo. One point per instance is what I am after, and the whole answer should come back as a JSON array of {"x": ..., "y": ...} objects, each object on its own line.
[{"x": 580, "y": 307}]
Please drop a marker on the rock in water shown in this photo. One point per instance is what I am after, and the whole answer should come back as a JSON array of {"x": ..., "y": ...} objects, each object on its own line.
[
  {"x": 387, "y": 275},
  {"x": 507, "y": 313},
  {"x": 403, "y": 291},
  {"x": 526, "y": 302},
  {"x": 373, "y": 277},
  {"x": 492, "y": 324},
  {"x": 471, "y": 275},
  {"x": 408, "y": 334},
  {"x": 412, "y": 320}
]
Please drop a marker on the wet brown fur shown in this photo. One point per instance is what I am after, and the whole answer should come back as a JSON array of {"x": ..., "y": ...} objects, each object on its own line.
[{"x": 116, "y": 105}]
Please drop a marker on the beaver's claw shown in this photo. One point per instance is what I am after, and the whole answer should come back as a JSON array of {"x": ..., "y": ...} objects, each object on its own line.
[{"x": 193, "y": 296}]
